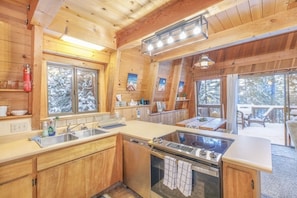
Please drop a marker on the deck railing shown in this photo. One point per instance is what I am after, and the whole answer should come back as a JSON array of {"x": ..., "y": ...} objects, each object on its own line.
[{"x": 257, "y": 111}]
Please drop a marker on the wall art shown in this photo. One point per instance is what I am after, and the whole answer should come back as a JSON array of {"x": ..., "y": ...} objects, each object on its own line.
[{"x": 132, "y": 82}]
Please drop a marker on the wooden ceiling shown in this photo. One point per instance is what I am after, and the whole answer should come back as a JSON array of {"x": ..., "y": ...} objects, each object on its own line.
[{"x": 118, "y": 24}]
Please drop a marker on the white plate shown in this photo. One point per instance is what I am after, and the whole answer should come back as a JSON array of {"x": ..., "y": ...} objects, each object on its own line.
[{"x": 18, "y": 112}]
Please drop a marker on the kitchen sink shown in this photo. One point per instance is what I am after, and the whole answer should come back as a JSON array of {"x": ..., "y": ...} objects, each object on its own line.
[
  {"x": 89, "y": 132},
  {"x": 52, "y": 140}
]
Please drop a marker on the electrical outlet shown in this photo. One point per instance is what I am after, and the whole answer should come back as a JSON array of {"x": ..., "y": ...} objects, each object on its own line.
[{"x": 18, "y": 127}]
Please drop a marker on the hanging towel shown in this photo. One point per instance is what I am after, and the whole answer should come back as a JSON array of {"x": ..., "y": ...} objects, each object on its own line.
[
  {"x": 184, "y": 178},
  {"x": 170, "y": 172}
]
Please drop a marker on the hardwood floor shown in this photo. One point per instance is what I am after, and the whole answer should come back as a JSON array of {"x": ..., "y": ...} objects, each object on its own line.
[{"x": 118, "y": 191}]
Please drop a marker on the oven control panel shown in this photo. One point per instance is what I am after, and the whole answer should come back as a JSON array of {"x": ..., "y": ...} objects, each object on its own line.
[{"x": 202, "y": 154}]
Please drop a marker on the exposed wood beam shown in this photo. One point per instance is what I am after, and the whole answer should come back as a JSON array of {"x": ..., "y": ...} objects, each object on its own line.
[
  {"x": 160, "y": 18},
  {"x": 279, "y": 23},
  {"x": 42, "y": 13},
  {"x": 276, "y": 56}
]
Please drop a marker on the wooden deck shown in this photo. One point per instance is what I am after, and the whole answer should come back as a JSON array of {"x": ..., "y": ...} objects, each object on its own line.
[{"x": 273, "y": 131}]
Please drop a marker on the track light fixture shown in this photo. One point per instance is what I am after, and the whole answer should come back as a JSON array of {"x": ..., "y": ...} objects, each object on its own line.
[{"x": 177, "y": 35}]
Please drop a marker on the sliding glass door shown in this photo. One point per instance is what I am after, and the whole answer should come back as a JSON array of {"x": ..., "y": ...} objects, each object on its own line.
[
  {"x": 291, "y": 101},
  {"x": 261, "y": 100},
  {"x": 271, "y": 100}
]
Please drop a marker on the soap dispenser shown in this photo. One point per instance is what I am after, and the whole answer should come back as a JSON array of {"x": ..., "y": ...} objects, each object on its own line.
[
  {"x": 45, "y": 130},
  {"x": 51, "y": 129}
]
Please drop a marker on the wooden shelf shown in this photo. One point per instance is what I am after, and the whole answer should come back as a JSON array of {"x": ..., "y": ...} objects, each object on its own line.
[
  {"x": 130, "y": 107},
  {"x": 15, "y": 117},
  {"x": 12, "y": 90},
  {"x": 186, "y": 100}
]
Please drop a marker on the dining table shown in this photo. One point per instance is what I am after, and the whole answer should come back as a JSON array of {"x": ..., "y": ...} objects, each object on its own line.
[{"x": 204, "y": 123}]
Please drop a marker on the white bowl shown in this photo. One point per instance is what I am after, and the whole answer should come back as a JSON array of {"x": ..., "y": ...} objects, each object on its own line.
[{"x": 18, "y": 112}]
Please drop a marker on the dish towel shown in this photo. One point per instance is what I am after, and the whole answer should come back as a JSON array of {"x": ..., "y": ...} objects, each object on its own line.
[
  {"x": 184, "y": 178},
  {"x": 170, "y": 172}
]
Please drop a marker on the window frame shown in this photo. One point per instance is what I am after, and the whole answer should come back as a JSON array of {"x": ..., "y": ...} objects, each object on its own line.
[
  {"x": 209, "y": 106},
  {"x": 74, "y": 89}
]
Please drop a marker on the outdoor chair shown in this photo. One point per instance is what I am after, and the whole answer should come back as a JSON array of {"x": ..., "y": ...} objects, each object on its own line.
[
  {"x": 242, "y": 119},
  {"x": 261, "y": 120}
]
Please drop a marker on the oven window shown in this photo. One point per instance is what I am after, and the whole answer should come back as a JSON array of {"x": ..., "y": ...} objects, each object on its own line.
[{"x": 203, "y": 185}]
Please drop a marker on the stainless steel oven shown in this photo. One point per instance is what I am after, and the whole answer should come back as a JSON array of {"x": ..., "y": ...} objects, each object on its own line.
[
  {"x": 205, "y": 179},
  {"x": 202, "y": 152}
]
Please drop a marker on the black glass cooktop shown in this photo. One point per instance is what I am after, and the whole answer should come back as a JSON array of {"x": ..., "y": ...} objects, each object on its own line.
[{"x": 219, "y": 145}]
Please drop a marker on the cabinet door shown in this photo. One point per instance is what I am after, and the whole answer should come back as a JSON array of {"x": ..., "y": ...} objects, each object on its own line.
[
  {"x": 66, "y": 180},
  {"x": 137, "y": 168},
  {"x": 101, "y": 171},
  {"x": 240, "y": 182},
  {"x": 84, "y": 177},
  {"x": 18, "y": 188}
]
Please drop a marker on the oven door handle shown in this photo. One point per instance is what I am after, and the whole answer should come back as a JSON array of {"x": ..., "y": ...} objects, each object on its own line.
[{"x": 200, "y": 168}]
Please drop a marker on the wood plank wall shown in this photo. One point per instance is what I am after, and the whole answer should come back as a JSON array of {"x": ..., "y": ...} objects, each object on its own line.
[
  {"x": 55, "y": 50},
  {"x": 132, "y": 61},
  {"x": 15, "y": 51},
  {"x": 278, "y": 53},
  {"x": 275, "y": 54}
]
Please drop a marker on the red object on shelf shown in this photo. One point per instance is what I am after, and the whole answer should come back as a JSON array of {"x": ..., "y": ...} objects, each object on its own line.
[{"x": 27, "y": 78}]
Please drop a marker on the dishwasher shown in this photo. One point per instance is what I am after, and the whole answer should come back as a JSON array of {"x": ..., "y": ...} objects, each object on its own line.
[{"x": 137, "y": 165}]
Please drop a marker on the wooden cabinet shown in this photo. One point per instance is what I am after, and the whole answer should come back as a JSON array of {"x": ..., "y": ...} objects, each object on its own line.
[
  {"x": 83, "y": 177},
  {"x": 101, "y": 171},
  {"x": 169, "y": 117},
  {"x": 15, "y": 188},
  {"x": 240, "y": 181},
  {"x": 81, "y": 170},
  {"x": 16, "y": 179},
  {"x": 182, "y": 104},
  {"x": 66, "y": 180}
]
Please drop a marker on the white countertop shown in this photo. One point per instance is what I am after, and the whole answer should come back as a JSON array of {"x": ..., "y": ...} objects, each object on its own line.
[{"x": 250, "y": 152}]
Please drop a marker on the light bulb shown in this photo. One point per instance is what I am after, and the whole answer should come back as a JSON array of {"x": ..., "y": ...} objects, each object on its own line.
[
  {"x": 170, "y": 40},
  {"x": 160, "y": 44},
  {"x": 182, "y": 35},
  {"x": 197, "y": 30},
  {"x": 150, "y": 47}
]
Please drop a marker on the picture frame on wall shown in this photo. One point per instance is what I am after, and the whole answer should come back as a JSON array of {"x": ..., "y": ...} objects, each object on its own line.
[
  {"x": 181, "y": 86},
  {"x": 162, "y": 84},
  {"x": 132, "y": 82}
]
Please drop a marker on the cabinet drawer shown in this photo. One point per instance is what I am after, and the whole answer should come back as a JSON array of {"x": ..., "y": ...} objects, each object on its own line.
[
  {"x": 74, "y": 152},
  {"x": 15, "y": 170}
]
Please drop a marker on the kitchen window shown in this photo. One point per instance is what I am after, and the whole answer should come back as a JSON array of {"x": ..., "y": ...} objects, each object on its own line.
[
  {"x": 71, "y": 89},
  {"x": 209, "y": 98}
]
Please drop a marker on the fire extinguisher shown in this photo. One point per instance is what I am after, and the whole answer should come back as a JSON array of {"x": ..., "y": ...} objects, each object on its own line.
[{"x": 27, "y": 78}]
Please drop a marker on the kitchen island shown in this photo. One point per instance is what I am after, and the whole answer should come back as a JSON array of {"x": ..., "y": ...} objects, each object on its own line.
[{"x": 243, "y": 152}]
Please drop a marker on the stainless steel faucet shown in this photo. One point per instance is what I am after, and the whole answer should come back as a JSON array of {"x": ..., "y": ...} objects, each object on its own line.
[{"x": 69, "y": 129}]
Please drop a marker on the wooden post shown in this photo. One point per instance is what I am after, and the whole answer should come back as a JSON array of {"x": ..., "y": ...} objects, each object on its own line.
[{"x": 37, "y": 46}]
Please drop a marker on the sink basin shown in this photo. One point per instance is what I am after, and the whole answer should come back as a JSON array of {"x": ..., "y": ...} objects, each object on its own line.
[
  {"x": 89, "y": 132},
  {"x": 52, "y": 140}
]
